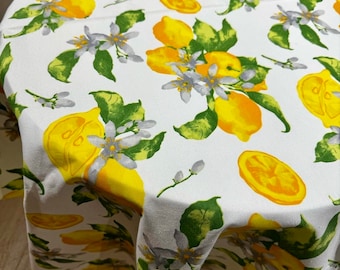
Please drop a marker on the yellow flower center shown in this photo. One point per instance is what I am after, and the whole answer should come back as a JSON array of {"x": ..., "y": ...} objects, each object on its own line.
[{"x": 80, "y": 42}]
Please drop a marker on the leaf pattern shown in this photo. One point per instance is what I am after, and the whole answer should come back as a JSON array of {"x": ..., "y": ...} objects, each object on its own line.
[{"x": 170, "y": 83}]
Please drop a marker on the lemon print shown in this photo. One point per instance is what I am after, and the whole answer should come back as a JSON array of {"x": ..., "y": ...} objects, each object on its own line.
[
  {"x": 316, "y": 93},
  {"x": 74, "y": 8},
  {"x": 82, "y": 237},
  {"x": 336, "y": 6},
  {"x": 255, "y": 222},
  {"x": 53, "y": 222},
  {"x": 258, "y": 222},
  {"x": 103, "y": 245},
  {"x": 238, "y": 115},
  {"x": 228, "y": 64},
  {"x": 158, "y": 59},
  {"x": 173, "y": 33},
  {"x": 122, "y": 184},
  {"x": 186, "y": 6},
  {"x": 67, "y": 146},
  {"x": 271, "y": 178}
]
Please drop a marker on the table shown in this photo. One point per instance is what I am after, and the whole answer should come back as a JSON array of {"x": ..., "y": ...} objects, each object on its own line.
[{"x": 176, "y": 134}]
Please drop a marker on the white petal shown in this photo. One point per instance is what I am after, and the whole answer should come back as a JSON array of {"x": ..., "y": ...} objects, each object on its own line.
[
  {"x": 110, "y": 130},
  {"x": 96, "y": 141},
  {"x": 185, "y": 96},
  {"x": 212, "y": 70},
  {"x": 127, "y": 162},
  {"x": 170, "y": 85},
  {"x": 129, "y": 141},
  {"x": 114, "y": 29},
  {"x": 221, "y": 92},
  {"x": 146, "y": 124},
  {"x": 96, "y": 166},
  {"x": 248, "y": 75},
  {"x": 228, "y": 80},
  {"x": 181, "y": 240}
]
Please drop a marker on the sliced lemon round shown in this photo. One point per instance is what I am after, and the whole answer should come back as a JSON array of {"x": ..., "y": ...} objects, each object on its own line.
[{"x": 271, "y": 178}]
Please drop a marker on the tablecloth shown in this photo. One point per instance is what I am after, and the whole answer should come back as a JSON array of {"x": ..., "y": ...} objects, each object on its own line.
[{"x": 176, "y": 134}]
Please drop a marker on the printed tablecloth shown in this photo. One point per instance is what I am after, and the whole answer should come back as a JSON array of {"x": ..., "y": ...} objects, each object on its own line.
[{"x": 175, "y": 134}]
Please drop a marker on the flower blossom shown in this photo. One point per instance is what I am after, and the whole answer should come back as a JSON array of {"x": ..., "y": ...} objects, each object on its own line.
[
  {"x": 287, "y": 18},
  {"x": 119, "y": 40},
  {"x": 308, "y": 16},
  {"x": 112, "y": 148},
  {"x": 211, "y": 81},
  {"x": 84, "y": 43},
  {"x": 185, "y": 82}
]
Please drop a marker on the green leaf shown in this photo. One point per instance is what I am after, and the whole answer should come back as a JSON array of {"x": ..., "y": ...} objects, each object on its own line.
[
  {"x": 16, "y": 184},
  {"x": 27, "y": 12},
  {"x": 309, "y": 34},
  {"x": 16, "y": 108},
  {"x": 269, "y": 103},
  {"x": 130, "y": 112},
  {"x": 114, "y": 208},
  {"x": 251, "y": 63},
  {"x": 45, "y": 265},
  {"x": 301, "y": 237},
  {"x": 82, "y": 195},
  {"x": 61, "y": 260},
  {"x": 325, "y": 152},
  {"x": 279, "y": 36},
  {"x": 310, "y": 4},
  {"x": 319, "y": 245},
  {"x": 126, "y": 20},
  {"x": 332, "y": 64},
  {"x": 5, "y": 62},
  {"x": 38, "y": 242},
  {"x": 233, "y": 5},
  {"x": 110, "y": 104},
  {"x": 201, "y": 127},
  {"x": 33, "y": 26},
  {"x": 145, "y": 148},
  {"x": 199, "y": 219},
  {"x": 112, "y": 108},
  {"x": 142, "y": 265},
  {"x": 61, "y": 67},
  {"x": 27, "y": 173},
  {"x": 112, "y": 232},
  {"x": 103, "y": 63},
  {"x": 212, "y": 40}
]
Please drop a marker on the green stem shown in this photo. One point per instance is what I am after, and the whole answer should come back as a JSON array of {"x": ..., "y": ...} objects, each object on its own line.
[{"x": 173, "y": 185}]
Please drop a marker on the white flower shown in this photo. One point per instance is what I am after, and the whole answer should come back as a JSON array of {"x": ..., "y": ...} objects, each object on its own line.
[
  {"x": 308, "y": 16},
  {"x": 287, "y": 18},
  {"x": 117, "y": 39},
  {"x": 216, "y": 83},
  {"x": 84, "y": 43},
  {"x": 112, "y": 148},
  {"x": 185, "y": 82}
]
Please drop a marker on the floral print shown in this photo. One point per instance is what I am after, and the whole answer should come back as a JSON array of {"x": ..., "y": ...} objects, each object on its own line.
[{"x": 131, "y": 93}]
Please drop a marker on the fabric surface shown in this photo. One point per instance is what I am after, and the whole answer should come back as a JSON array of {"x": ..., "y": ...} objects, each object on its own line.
[{"x": 176, "y": 134}]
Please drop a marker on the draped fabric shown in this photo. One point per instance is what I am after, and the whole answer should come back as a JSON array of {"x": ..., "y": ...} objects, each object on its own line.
[{"x": 175, "y": 134}]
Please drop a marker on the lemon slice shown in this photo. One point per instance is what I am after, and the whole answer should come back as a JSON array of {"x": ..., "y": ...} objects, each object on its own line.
[
  {"x": 53, "y": 222},
  {"x": 271, "y": 178}
]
